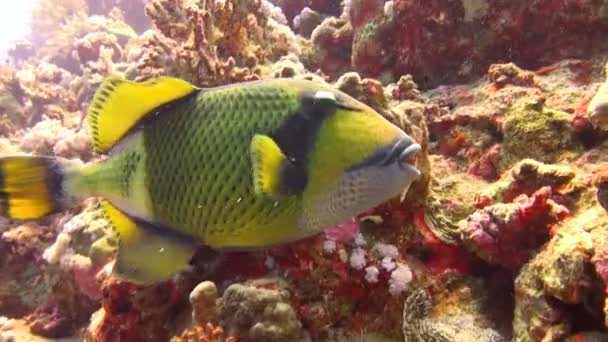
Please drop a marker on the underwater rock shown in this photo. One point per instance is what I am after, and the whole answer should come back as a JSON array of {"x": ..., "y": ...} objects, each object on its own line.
[
  {"x": 508, "y": 234},
  {"x": 568, "y": 272},
  {"x": 259, "y": 312}
]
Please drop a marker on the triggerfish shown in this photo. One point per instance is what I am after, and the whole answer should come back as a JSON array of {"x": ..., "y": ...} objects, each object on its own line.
[{"x": 237, "y": 167}]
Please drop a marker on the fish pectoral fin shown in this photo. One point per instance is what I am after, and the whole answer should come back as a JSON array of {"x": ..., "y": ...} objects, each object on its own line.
[
  {"x": 269, "y": 165},
  {"x": 146, "y": 255},
  {"x": 119, "y": 104}
]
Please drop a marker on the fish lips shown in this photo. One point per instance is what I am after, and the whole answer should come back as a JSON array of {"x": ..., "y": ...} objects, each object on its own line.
[
  {"x": 404, "y": 153},
  {"x": 407, "y": 158}
]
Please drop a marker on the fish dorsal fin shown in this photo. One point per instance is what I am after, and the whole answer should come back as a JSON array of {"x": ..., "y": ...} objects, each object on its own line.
[
  {"x": 273, "y": 173},
  {"x": 119, "y": 104},
  {"x": 146, "y": 255}
]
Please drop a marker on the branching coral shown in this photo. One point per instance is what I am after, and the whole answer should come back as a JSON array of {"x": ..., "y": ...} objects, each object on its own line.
[{"x": 210, "y": 40}]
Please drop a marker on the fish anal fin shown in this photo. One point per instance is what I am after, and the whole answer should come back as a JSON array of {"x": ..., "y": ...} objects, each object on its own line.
[
  {"x": 119, "y": 104},
  {"x": 146, "y": 255}
]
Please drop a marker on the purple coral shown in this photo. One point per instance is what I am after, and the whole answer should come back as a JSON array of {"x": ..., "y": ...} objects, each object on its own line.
[{"x": 508, "y": 233}]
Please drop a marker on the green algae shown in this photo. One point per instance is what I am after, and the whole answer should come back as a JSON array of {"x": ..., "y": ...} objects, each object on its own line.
[{"x": 533, "y": 131}]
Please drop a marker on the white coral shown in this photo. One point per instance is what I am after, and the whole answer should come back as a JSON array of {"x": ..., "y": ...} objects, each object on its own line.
[{"x": 400, "y": 279}]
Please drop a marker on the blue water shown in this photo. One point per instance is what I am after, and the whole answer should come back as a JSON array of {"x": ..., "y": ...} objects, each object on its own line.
[{"x": 14, "y": 23}]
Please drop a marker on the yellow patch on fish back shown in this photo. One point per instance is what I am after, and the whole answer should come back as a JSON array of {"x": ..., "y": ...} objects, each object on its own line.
[{"x": 119, "y": 104}]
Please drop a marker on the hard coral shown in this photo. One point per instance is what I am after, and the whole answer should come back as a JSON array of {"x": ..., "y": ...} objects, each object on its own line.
[
  {"x": 215, "y": 38},
  {"x": 331, "y": 51},
  {"x": 259, "y": 313}
]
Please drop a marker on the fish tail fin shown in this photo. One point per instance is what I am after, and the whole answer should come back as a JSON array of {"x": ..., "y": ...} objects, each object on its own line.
[{"x": 32, "y": 187}]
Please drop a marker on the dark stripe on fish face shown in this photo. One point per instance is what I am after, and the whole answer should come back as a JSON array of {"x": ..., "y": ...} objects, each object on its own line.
[{"x": 296, "y": 137}]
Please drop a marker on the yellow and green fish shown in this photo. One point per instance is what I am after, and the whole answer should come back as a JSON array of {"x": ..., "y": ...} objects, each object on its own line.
[{"x": 244, "y": 166}]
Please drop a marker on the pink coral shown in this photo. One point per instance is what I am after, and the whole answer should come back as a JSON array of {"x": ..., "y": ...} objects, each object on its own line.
[
  {"x": 508, "y": 234},
  {"x": 486, "y": 166}
]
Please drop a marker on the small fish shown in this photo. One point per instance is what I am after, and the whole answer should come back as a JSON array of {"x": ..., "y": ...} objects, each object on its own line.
[{"x": 244, "y": 166}]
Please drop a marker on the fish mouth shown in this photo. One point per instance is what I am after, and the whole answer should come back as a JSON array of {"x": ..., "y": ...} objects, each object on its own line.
[
  {"x": 404, "y": 152},
  {"x": 407, "y": 157}
]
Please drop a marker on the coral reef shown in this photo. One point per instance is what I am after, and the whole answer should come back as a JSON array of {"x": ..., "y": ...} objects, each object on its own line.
[
  {"x": 563, "y": 276},
  {"x": 503, "y": 236},
  {"x": 446, "y": 41}
]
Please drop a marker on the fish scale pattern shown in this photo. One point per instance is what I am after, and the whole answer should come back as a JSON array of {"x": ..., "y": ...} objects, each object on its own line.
[{"x": 198, "y": 163}]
